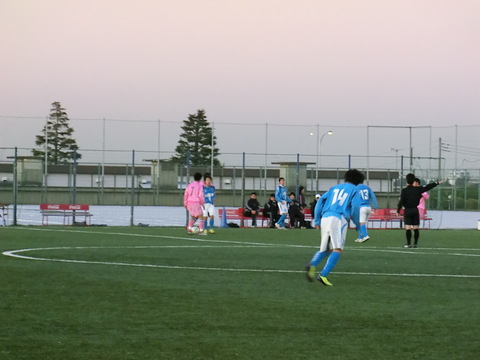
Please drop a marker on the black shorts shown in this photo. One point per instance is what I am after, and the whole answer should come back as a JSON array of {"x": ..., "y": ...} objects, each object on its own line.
[{"x": 411, "y": 217}]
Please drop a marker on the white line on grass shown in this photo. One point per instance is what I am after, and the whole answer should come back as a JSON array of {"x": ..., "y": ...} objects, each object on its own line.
[
  {"x": 193, "y": 238},
  {"x": 15, "y": 254}
]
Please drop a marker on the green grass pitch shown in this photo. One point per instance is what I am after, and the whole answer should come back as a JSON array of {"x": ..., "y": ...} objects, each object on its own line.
[{"x": 157, "y": 293}]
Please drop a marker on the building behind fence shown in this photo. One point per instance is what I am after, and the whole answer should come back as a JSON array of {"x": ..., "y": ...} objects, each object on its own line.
[{"x": 151, "y": 178}]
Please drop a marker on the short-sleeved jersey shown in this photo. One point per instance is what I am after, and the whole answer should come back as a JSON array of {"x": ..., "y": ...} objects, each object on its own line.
[
  {"x": 336, "y": 202},
  {"x": 209, "y": 193},
  {"x": 281, "y": 194},
  {"x": 364, "y": 197},
  {"x": 194, "y": 193}
]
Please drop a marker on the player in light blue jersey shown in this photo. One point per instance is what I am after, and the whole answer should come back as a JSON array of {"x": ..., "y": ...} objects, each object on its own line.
[
  {"x": 362, "y": 208},
  {"x": 209, "y": 207},
  {"x": 332, "y": 212},
  {"x": 283, "y": 200}
]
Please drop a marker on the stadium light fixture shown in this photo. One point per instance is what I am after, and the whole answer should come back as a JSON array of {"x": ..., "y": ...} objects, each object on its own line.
[{"x": 319, "y": 150}]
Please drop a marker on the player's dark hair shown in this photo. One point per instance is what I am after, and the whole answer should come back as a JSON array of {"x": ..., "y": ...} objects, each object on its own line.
[
  {"x": 197, "y": 176},
  {"x": 410, "y": 178},
  {"x": 207, "y": 176},
  {"x": 280, "y": 179},
  {"x": 353, "y": 176},
  {"x": 362, "y": 179},
  {"x": 272, "y": 195},
  {"x": 254, "y": 193},
  {"x": 292, "y": 193},
  {"x": 417, "y": 180}
]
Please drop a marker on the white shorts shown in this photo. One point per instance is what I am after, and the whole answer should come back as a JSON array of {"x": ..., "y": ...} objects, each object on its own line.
[
  {"x": 365, "y": 213},
  {"x": 208, "y": 210},
  {"x": 334, "y": 233},
  {"x": 283, "y": 207}
]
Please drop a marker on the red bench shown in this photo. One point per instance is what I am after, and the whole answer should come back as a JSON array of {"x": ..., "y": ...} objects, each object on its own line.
[
  {"x": 388, "y": 216},
  {"x": 67, "y": 211},
  {"x": 231, "y": 214},
  {"x": 237, "y": 215}
]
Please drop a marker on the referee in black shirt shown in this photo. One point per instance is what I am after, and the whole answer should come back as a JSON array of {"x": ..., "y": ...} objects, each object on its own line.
[{"x": 409, "y": 199}]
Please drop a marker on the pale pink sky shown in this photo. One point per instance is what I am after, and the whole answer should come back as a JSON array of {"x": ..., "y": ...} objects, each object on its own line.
[{"x": 308, "y": 62}]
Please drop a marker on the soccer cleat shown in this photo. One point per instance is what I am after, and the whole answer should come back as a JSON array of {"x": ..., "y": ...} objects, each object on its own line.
[
  {"x": 407, "y": 246},
  {"x": 324, "y": 280},
  {"x": 202, "y": 233},
  {"x": 414, "y": 246},
  {"x": 359, "y": 240},
  {"x": 277, "y": 226},
  {"x": 366, "y": 238},
  {"x": 310, "y": 272},
  {"x": 211, "y": 231}
]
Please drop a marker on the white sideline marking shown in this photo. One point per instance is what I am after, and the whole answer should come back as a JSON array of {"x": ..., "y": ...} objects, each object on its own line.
[{"x": 15, "y": 254}]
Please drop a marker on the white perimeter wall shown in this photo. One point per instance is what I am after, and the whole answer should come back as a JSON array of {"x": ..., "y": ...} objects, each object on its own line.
[{"x": 176, "y": 216}]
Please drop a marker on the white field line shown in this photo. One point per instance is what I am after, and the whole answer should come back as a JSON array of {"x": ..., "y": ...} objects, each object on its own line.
[{"x": 15, "y": 254}]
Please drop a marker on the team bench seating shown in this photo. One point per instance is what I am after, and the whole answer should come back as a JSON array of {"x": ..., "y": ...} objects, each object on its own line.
[
  {"x": 232, "y": 214},
  {"x": 237, "y": 215},
  {"x": 69, "y": 212},
  {"x": 386, "y": 217}
]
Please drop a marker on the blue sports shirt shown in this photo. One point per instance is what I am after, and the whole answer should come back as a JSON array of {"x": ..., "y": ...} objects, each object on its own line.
[
  {"x": 281, "y": 194},
  {"x": 336, "y": 202},
  {"x": 209, "y": 193},
  {"x": 364, "y": 197}
]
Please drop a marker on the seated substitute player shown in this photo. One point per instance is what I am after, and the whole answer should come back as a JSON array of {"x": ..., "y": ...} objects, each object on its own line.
[
  {"x": 270, "y": 209},
  {"x": 362, "y": 208},
  {"x": 252, "y": 207},
  {"x": 409, "y": 199},
  {"x": 332, "y": 212},
  {"x": 193, "y": 200},
  {"x": 209, "y": 207},
  {"x": 295, "y": 212}
]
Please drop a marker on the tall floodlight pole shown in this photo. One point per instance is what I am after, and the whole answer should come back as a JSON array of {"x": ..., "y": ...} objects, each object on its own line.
[
  {"x": 211, "y": 156},
  {"x": 319, "y": 153},
  {"x": 266, "y": 159}
]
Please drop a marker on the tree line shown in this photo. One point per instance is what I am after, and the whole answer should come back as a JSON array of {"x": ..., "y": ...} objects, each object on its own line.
[{"x": 196, "y": 146}]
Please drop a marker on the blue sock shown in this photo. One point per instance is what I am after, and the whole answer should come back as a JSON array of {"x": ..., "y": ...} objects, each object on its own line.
[
  {"x": 212, "y": 221},
  {"x": 331, "y": 262},
  {"x": 206, "y": 224},
  {"x": 363, "y": 230},
  {"x": 319, "y": 256},
  {"x": 281, "y": 221}
]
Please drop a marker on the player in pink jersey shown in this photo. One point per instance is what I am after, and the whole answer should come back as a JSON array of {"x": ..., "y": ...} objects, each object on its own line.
[{"x": 193, "y": 200}]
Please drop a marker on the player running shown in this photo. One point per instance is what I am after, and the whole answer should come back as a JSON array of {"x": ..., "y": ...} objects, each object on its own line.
[
  {"x": 362, "y": 208},
  {"x": 193, "y": 200},
  {"x": 332, "y": 212}
]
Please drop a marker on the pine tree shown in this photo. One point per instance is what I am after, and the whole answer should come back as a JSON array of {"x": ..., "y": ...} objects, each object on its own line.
[
  {"x": 58, "y": 136},
  {"x": 196, "y": 139}
]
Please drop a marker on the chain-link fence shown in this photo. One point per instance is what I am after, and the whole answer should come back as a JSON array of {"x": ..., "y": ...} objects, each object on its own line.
[{"x": 150, "y": 178}]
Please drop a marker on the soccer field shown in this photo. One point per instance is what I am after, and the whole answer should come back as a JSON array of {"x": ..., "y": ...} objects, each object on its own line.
[{"x": 156, "y": 293}]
